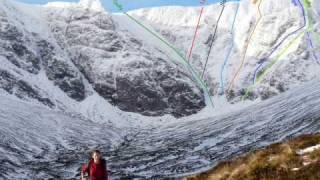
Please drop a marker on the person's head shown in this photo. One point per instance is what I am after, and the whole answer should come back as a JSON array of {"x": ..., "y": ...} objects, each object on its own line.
[{"x": 96, "y": 155}]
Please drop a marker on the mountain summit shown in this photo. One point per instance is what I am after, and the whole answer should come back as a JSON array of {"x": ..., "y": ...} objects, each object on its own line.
[
  {"x": 92, "y": 4},
  {"x": 73, "y": 78}
]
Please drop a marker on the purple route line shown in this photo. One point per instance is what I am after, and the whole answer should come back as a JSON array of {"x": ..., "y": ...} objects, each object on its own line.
[
  {"x": 295, "y": 2},
  {"x": 316, "y": 58},
  {"x": 282, "y": 41}
]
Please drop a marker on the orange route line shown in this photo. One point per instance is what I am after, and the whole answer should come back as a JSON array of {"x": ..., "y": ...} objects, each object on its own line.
[{"x": 246, "y": 48}]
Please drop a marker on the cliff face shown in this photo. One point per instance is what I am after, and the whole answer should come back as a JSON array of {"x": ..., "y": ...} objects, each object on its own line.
[
  {"x": 74, "y": 78},
  {"x": 83, "y": 50},
  {"x": 252, "y": 47},
  {"x": 80, "y": 50}
]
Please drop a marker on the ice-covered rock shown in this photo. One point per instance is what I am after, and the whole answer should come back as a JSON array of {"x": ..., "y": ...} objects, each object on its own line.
[
  {"x": 274, "y": 39},
  {"x": 73, "y": 46}
]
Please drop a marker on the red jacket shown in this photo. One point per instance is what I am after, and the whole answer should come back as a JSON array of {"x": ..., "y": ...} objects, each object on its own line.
[{"x": 96, "y": 171}]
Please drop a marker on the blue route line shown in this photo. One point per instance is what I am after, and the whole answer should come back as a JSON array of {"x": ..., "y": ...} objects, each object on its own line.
[
  {"x": 282, "y": 41},
  {"x": 229, "y": 52}
]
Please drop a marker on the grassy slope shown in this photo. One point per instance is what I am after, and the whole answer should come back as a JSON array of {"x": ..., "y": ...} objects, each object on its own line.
[{"x": 275, "y": 162}]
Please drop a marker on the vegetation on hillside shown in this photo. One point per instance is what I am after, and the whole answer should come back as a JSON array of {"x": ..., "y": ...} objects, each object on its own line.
[{"x": 296, "y": 159}]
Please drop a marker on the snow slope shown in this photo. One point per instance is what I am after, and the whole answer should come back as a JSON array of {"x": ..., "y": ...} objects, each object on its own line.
[
  {"x": 93, "y": 5},
  {"x": 74, "y": 77},
  {"x": 109, "y": 55},
  {"x": 272, "y": 39},
  {"x": 74, "y": 59},
  {"x": 34, "y": 137},
  {"x": 182, "y": 148}
]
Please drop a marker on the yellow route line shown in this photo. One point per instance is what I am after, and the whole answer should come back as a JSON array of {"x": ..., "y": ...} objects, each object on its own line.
[{"x": 276, "y": 59}]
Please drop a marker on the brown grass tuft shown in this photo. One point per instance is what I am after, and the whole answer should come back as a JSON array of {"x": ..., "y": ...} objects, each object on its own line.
[{"x": 278, "y": 161}]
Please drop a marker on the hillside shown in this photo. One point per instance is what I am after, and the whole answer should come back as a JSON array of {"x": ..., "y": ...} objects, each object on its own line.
[
  {"x": 74, "y": 77},
  {"x": 295, "y": 159},
  {"x": 249, "y": 52}
]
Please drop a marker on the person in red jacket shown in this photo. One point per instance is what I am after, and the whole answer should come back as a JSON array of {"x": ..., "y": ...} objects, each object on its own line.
[{"x": 96, "y": 167}]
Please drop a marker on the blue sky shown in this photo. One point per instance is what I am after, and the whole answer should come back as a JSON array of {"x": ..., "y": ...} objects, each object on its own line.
[{"x": 133, "y": 4}]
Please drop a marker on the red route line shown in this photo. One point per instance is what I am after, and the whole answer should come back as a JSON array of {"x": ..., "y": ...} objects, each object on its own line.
[
  {"x": 195, "y": 34},
  {"x": 246, "y": 48}
]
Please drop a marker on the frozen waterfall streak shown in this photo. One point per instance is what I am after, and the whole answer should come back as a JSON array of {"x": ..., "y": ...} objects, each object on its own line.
[
  {"x": 184, "y": 60},
  {"x": 229, "y": 52},
  {"x": 315, "y": 56},
  {"x": 196, "y": 31},
  {"x": 268, "y": 68},
  {"x": 316, "y": 38},
  {"x": 246, "y": 49},
  {"x": 264, "y": 71},
  {"x": 280, "y": 43},
  {"x": 310, "y": 28},
  {"x": 212, "y": 40}
]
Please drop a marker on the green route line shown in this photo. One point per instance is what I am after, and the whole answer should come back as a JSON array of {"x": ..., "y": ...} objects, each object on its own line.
[
  {"x": 190, "y": 68},
  {"x": 196, "y": 75},
  {"x": 306, "y": 3},
  {"x": 311, "y": 30},
  {"x": 157, "y": 36},
  {"x": 316, "y": 37},
  {"x": 306, "y": 6},
  {"x": 267, "y": 69},
  {"x": 311, "y": 27},
  {"x": 118, "y": 5}
]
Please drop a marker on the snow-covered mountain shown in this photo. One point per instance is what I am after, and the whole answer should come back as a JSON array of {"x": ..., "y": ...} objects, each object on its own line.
[
  {"x": 82, "y": 51},
  {"x": 258, "y": 36},
  {"x": 74, "y": 77},
  {"x": 41, "y": 143},
  {"x": 79, "y": 52}
]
